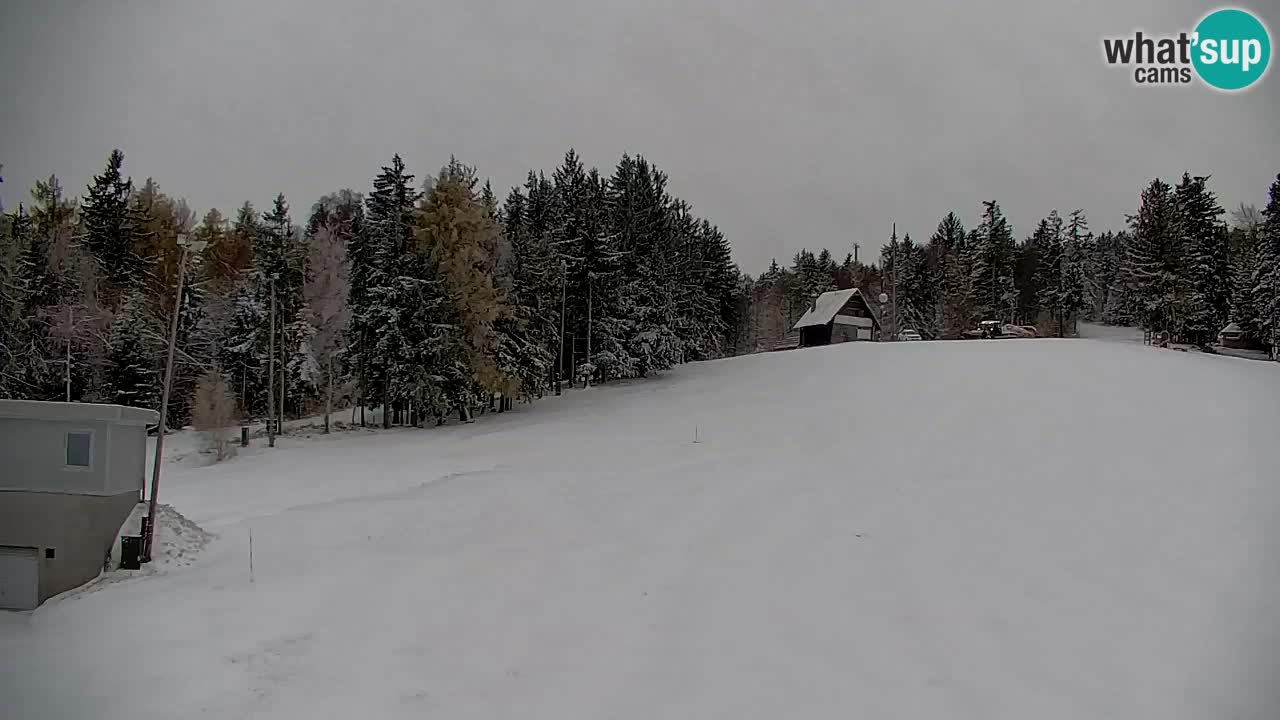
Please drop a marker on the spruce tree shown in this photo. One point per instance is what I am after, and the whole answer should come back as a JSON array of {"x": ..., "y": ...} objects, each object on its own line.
[
  {"x": 1266, "y": 280},
  {"x": 389, "y": 320},
  {"x": 528, "y": 335},
  {"x": 1155, "y": 264},
  {"x": 111, "y": 228},
  {"x": 1051, "y": 272},
  {"x": 643, "y": 221},
  {"x": 1246, "y": 244},
  {"x": 1074, "y": 286},
  {"x": 131, "y": 377},
  {"x": 721, "y": 283},
  {"x": 992, "y": 257},
  {"x": 946, "y": 245},
  {"x": 1204, "y": 236}
]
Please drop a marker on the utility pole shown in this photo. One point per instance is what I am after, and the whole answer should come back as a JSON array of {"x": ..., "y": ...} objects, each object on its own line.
[
  {"x": 564, "y": 271},
  {"x": 283, "y": 383},
  {"x": 71, "y": 326},
  {"x": 149, "y": 540},
  {"x": 587, "y": 381},
  {"x": 855, "y": 253},
  {"x": 893, "y": 289},
  {"x": 271, "y": 370}
]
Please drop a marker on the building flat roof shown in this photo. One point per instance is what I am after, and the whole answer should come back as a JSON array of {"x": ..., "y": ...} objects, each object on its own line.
[{"x": 41, "y": 410}]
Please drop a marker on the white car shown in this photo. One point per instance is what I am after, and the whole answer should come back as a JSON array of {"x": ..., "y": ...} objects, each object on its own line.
[{"x": 907, "y": 335}]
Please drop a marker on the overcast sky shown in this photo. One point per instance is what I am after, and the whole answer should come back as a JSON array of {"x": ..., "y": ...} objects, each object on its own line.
[{"x": 809, "y": 123}]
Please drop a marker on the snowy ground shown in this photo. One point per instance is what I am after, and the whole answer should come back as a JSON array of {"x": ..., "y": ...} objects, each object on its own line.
[{"x": 1035, "y": 529}]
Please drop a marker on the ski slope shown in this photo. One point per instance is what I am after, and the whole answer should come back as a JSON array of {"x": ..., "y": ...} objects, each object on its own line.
[{"x": 1025, "y": 529}]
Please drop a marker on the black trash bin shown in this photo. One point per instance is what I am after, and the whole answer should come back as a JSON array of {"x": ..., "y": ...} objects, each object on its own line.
[{"x": 131, "y": 552}]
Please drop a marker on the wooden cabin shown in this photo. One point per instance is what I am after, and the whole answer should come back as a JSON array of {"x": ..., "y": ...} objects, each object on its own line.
[{"x": 836, "y": 317}]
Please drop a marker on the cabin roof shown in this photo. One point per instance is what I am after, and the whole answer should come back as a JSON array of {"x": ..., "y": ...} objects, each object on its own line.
[{"x": 828, "y": 305}]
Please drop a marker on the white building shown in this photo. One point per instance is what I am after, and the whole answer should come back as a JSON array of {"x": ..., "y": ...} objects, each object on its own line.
[{"x": 70, "y": 473}]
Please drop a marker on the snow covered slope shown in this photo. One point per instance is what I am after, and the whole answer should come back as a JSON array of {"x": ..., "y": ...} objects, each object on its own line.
[{"x": 1038, "y": 529}]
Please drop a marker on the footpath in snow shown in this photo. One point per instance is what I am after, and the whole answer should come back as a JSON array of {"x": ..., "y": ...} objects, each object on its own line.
[{"x": 1049, "y": 529}]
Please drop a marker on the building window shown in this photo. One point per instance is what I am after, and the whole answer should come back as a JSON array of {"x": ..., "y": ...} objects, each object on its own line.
[{"x": 79, "y": 449}]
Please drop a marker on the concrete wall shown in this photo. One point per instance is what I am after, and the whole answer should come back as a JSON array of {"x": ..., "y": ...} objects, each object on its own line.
[
  {"x": 33, "y": 455},
  {"x": 79, "y": 528},
  {"x": 128, "y": 471}
]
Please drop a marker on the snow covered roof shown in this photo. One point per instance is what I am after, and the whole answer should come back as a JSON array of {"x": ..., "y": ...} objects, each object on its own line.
[
  {"x": 40, "y": 410},
  {"x": 1231, "y": 329},
  {"x": 826, "y": 307}
]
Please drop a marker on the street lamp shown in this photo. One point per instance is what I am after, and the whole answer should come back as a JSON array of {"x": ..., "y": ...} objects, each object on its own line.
[
  {"x": 185, "y": 245},
  {"x": 884, "y": 298}
]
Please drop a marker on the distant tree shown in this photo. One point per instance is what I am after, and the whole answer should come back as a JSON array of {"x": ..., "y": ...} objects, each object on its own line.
[
  {"x": 1266, "y": 280},
  {"x": 527, "y": 336},
  {"x": 57, "y": 278},
  {"x": 213, "y": 413},
  {"x": 112, "y": 229},
  {"x": 1060, "y": 276},
  {"x": 229, "y": 253},
  {"x": 336, "y": 222},
  {"x": 992, "y": 256},
  {"x": 912, "y": 288},
  {"x": 1074, "y": 294},
  {"x": 390, "y": 281},
  {"x": 456, "y": 229},
  {"x": 131, "y": 375},
  {"x": 15, "y": 327},
  {"x": 943, "y": 249},
  {"x": 1246, "y": 241},
  {"x": 1205, "y": 238},
  {"x": 1155, "y": 265}
]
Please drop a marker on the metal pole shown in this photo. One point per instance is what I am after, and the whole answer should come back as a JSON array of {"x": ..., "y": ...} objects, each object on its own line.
[
  {"x": 564, "y": 271},
  {"x": 271, "y": 370},
  {"x": 164, "y": 408}
]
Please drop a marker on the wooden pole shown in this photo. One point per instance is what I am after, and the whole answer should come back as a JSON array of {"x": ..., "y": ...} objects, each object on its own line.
[
  {"x": 149, "y": 541},
  {"x": 560, "y": 342},
  {"x": 587, "y": 381},
  {"x": 328, "y": 402}
]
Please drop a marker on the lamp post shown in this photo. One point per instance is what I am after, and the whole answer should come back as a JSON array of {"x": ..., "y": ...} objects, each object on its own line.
[
  {"x": 884, "y": 299},
  {"x": 185, "y": 245}
]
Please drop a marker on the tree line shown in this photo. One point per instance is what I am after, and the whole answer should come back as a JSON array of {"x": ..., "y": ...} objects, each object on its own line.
[
  {"x": 421, "y": 299},
  {"x": 1180, "y": 266},
  {"x": 418, "y": 298}
]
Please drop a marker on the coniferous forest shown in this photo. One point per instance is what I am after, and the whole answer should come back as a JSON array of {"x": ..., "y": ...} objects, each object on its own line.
[{"x": 431, "y": 295}]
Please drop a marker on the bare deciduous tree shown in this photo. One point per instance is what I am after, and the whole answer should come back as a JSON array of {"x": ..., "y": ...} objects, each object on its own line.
[
  {"x": 213, "y": 412},
  {"x": 325, "y": 294}
]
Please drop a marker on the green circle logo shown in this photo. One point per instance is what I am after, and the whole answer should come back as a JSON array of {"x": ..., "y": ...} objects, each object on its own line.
[{"x": 1232, "y": 49}]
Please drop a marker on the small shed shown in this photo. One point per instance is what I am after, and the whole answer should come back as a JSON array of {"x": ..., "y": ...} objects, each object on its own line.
[
  {"x": 72, "y": 474},
  {"x": 836, "y": 317},
  {"x": 1232, "y": 336}
]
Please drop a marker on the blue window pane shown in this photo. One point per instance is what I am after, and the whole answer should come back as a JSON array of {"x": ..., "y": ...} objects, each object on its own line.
[{"x": 79, "y": 449}]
